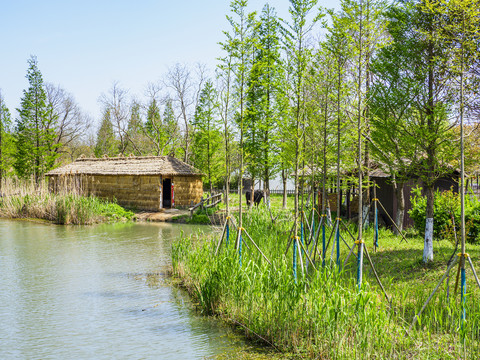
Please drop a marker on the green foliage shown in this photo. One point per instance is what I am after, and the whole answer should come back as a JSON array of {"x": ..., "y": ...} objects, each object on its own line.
[
  {"x": 106, "y": 144},
  {"x": 199, "y": 218},
  {"x": 63, "y": 208},
  {"x": 446, "y": 204},
  {"x": 207, "y": 140},
  {"x": 162, "y": 132},
  {"x": 34, "y": 135},
  {"x": 7, "y": 145},
  {"x": 322, "y": 314},
  {"x": 262, "y": 98}
]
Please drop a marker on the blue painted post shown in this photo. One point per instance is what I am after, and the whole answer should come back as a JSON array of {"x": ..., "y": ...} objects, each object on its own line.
[
  {"x": 464, "y": 292},
  {"x": 337, "y": 235},
  {"x": 301, "y": 238},
  {"x": 376, "y": 228},
  {"x": 313, "y": 226},
  {"x": 295, "y": 259},
  {"x": 359, "y": 263},
  {"x": 228, "y": 232},
  {"x": 240, "y": 248},
  {"x": 323, "y": 242}
]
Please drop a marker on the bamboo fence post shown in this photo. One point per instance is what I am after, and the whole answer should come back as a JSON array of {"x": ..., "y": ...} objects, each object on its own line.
[
  {"x": 221, "y": 238},
  {"x": 301, "y": 257},
  {"x": 375, "y": 236},
  {"x": 290, "y": 237},
  {"x": 393, "y": 222},
  {"x": 360, "y": 263},
  {"x": 346, "y": 228},
  {"x": 239, "y": 244},
  {"x": 295, "y": 258},
  {"x": 308, "y": 257},
  {"x": 256, "y": 246},
  {"x": 315, "y": 247},
  {"x": 375, "y": 273},
  {"x": 473, "y": 270},
  {"x": 337, "y": 238}
]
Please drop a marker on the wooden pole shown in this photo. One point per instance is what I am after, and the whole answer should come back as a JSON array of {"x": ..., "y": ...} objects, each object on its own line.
[
  {"x": 473, "y": 271},
  {"x": 256, "y": 246},
  {"x": 431, "y": 295},
  {"x": 394, "y": 224},
  {"x": 375, "y": 209},
  {"x": 375, "y": 273},
  {"x": 221, "y": 238}
]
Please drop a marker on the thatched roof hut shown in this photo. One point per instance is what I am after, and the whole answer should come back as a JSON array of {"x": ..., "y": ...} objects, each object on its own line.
[{"x": 145, "y": 182}]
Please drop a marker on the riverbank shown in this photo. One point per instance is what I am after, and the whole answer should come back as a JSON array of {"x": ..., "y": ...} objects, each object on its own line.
[
  {"x": 61, "y": 209},
  {"x": 322, "y": 314}
]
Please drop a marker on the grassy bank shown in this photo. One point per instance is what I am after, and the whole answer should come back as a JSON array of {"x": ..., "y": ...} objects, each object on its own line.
[
  {"x": 25, "y": 201},
  {"x": 323, "y": 314}
]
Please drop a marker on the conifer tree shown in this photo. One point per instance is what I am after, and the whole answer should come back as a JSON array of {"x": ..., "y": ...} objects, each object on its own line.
[
  {"x": 106, "y": 143},
  {"x": 5, "y": 139},
  {"x": 35, "y": 148},
  {"x": 261, "y": 101},
  {"x": 207, "y": 137},
  {"x": 298, "y": 58},
  {"x": 239, "y": 46}
]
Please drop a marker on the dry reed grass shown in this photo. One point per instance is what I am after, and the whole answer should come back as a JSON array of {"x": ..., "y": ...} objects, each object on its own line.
[{"x": 22, "y": 199}]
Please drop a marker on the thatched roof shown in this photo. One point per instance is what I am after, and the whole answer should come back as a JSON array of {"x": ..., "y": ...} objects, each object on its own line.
[{"x": 141, "y": 165}]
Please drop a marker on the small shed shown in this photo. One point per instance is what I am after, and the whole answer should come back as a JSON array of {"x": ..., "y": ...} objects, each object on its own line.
[
  {"x": 145, "y": 182},
  {"x": 386, "y": 193}
]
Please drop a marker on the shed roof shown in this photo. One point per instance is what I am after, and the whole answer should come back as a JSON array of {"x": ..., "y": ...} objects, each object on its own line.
[{"x": 139, "y": 165}]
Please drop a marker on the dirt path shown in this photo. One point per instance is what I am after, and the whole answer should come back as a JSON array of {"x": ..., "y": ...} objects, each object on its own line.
[{"x": 164, "y": 215}]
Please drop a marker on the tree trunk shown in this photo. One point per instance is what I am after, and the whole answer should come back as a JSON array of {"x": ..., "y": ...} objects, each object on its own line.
[
  {"x": 400, "y": 214},
  {"x": 428, "y": 243},
  {"x": 252, "y": 197},
  {"x": 266, "y": 189},
  {"x": 430, "y": 150},
  {"x": 284, "y": 179}
]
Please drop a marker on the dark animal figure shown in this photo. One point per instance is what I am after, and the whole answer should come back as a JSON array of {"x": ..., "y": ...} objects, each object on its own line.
[{"x": 257, "y": 196}]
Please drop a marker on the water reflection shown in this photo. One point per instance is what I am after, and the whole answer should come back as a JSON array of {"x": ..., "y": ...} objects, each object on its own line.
[{"x": 97, "y": 292}]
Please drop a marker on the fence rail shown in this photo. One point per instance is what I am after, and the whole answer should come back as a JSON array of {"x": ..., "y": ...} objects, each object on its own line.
[
  {"x": 274, "y": 191},
  {"x": 206, "y": 203}
]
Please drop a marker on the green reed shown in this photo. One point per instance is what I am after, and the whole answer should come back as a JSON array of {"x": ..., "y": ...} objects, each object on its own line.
[{"x": 323, "y": 314}]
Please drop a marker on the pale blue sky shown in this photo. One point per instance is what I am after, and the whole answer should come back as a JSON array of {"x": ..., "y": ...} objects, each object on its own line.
[{"x": 84, "y": 46}]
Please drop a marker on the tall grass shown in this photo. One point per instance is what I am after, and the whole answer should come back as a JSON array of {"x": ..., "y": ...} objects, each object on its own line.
[
  {"x": 323, "y": 314},
  {"x": 24, "y": 200}
]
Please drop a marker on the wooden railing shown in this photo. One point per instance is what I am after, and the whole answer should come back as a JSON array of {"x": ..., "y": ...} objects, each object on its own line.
[{"x": 206, "y": 203}]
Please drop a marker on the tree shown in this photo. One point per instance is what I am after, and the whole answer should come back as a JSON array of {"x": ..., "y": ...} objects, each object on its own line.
[
  {"x": 392, "y": 98},
  {"x": 66, "y": 120},
  {"x": 207, "y": 138},
  {"x": 261, "y": 100},
  {"x": 186, "y": 89},
  {"x": 106, "y": 143},
  {"x": 163, "y": 135},
  {"x": 117, "y": 103},
  {"x": 412, "y": 100},
  {"x": 298, "y": 57},
  {"x": 5, "y": 139},
  {"x": 34, "y": 139},
  {"x": 458, "y": 24},
  {"x": 135, "y": 131},
  {"x": 239, "y": 47},
  {"x": 224, "y": 80}
]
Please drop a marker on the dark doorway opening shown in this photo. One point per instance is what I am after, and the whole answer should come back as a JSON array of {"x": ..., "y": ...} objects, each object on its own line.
[{"x": 167, "y": 193}]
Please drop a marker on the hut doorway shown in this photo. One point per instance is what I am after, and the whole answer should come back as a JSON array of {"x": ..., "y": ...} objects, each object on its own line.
[{"x": 167, "y": 193}]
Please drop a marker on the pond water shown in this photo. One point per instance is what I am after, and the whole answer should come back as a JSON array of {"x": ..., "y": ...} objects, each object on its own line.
[{"x": 98, "y": 292}]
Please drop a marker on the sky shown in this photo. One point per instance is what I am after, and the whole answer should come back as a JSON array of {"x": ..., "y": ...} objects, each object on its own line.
[{"x": 86, "y": 46}]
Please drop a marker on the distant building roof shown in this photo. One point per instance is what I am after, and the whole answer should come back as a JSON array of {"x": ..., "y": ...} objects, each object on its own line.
[{"x": 138, "y": 165}]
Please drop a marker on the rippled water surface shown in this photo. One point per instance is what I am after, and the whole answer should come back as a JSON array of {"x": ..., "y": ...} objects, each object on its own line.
[{"x": 98, "y": 292}]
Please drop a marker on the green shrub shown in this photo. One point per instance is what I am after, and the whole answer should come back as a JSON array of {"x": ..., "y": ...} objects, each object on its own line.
[{"x": 446, "y": 204}]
